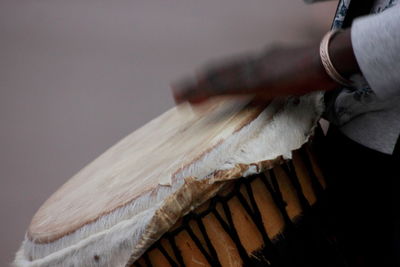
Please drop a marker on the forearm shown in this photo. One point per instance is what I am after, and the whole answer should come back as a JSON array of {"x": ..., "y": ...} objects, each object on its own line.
[
  {"x": 311, "y": 75},
  {"x": 342, "y": 54},
  {"x": 276, "y": 71}
]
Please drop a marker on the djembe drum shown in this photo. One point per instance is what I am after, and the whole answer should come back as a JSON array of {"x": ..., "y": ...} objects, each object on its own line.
[{"x": 232, "y": 185}]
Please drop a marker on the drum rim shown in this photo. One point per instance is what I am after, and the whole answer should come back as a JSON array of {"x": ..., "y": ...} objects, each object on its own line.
[{"x": 313, "y": 116}]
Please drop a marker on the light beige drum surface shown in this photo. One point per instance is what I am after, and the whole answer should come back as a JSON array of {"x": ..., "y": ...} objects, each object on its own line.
[
  {"x": 149, "y": 157},
  {"x": 117, "y": 206}
]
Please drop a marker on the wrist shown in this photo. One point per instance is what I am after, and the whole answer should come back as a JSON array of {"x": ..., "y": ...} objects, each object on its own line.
[
  {"x": 342, "y": 54},
  {"x": 322, "y": 80}
]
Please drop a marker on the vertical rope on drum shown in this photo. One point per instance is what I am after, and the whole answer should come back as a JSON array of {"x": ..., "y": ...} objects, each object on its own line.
[
  {"x": 212, "y": 259},
  {"x": 291, "y": 173},
  {"x": 256, "y": 217},
  {"x": 273, "y": 188},
  {"x": 231, "y": 230},
  {"x": 175, "y": 249},
  {"x": 147, "y": 260},
  {"x": 207, "y": 239},
  {"x": 315, "y": 184},
  {"x": 166, "y": 255}
]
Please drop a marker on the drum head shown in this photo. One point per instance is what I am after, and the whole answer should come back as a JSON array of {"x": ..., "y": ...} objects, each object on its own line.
[
  {"x": 150, "y": 157},
  {"x": 135, "y": 183}
]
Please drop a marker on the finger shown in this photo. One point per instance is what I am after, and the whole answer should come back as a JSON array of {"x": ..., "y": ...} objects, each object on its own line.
[
  {"x": 235, "y": 77},
  {"x": 188, "y": 90}
]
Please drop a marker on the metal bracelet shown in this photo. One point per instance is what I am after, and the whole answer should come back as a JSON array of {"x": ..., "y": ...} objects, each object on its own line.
[{"x": 326, "y": 60}]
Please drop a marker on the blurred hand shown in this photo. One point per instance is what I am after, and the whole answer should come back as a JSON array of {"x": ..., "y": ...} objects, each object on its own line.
[{"x": 277, "y": 71}]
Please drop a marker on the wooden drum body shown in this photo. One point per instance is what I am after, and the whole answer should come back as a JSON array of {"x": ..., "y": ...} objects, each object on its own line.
[
  {"x": 260, "y": 220},
  {"x": 231, "y": 185}
]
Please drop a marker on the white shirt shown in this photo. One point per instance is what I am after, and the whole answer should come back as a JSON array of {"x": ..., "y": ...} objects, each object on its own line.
[{"x": 370, "y": 113}]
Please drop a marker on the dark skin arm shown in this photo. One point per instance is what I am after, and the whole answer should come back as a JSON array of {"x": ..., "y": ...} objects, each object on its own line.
[{"x": 277, "y": 71}]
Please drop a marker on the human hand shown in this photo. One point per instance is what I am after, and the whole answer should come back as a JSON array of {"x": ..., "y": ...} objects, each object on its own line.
[{"x": 276, "y": 71}]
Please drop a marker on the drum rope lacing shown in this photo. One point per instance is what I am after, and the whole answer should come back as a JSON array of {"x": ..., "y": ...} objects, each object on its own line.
[{"x": 269, "y": 251}]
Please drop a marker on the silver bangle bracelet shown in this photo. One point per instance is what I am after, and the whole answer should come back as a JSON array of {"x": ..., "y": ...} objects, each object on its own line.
[{"x": 326, "y": 60}]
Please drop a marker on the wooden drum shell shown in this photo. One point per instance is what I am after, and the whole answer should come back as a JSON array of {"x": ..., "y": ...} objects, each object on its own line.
[{"x": 244, "y": 223}]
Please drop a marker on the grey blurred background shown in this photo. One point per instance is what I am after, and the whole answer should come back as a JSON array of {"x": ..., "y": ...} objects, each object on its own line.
[{"x": 78, "y": 75}]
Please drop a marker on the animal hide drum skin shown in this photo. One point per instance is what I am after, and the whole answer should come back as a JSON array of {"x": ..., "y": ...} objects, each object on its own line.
[{"x": 115, "y": 208}]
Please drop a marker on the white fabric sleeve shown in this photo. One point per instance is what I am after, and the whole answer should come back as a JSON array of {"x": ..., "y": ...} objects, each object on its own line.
[{"x": 376, "y": 44}]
